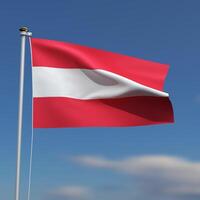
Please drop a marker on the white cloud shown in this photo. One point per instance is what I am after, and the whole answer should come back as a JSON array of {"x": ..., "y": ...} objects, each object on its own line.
[
  {"x": 93, "y": 161},
  {"x": 72, "y": 192},
  {"x": 169, "y": 176}
]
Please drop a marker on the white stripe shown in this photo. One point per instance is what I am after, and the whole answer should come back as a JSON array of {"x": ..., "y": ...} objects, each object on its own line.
[{"x": 86, "y": 84}]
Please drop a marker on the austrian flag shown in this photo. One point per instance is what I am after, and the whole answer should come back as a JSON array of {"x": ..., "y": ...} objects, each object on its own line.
[{"x": 78, "y": 86}]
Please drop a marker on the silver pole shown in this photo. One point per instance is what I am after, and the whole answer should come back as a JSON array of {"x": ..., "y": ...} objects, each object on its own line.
[{"x": 23, "y": 32}]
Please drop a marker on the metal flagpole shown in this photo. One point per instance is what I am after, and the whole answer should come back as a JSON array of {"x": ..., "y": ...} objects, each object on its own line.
[{"x": 24, "y": 32}]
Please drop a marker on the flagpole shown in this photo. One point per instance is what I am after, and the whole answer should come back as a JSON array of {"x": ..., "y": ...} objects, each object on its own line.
[{"x": 24, "y": 32}]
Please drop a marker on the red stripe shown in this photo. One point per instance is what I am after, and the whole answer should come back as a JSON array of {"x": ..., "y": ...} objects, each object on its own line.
[
  {"x": 66, "y": 55},
  {"x": 58, "y": 112}
]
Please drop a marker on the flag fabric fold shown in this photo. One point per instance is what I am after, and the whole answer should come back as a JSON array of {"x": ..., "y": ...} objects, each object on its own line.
[{"x": 78, "y": 86}]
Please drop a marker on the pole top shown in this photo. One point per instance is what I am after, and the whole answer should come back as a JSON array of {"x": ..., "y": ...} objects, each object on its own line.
[{"x": 24, "y": 31}]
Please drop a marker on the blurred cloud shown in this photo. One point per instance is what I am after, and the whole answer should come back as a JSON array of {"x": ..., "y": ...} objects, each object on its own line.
[
  {"x": 197, "y": 98},
  {"x": 158, "y": 177},
  {"x": 71, "y": 192}
]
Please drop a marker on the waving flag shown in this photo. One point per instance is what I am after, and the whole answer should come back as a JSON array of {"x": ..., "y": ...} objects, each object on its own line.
[{"x": 78, "y": 86}]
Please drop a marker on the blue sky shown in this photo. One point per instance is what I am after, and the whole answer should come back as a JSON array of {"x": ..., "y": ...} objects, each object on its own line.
[{"x": 104, "y": 163}]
